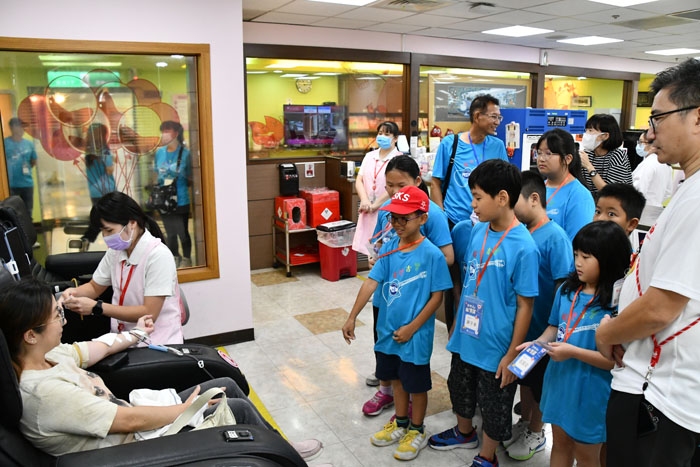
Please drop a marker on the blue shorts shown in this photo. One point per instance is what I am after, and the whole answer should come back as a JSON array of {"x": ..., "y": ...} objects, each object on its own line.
[{"x": 415, "y": 379}]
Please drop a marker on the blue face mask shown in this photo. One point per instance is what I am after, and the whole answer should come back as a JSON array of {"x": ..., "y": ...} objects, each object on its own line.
[
  {"x": 641, "y": 152},
  {"x": 384, "y": 142}
]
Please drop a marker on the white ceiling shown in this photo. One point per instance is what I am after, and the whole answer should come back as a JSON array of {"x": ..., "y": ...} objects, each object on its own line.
[{"x": 459, "y": 19}]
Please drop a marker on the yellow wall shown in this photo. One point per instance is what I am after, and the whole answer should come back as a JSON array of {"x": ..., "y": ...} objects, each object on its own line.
[
  {"x": 605, "y": 93},
  {"x": 268, "y": 93}
]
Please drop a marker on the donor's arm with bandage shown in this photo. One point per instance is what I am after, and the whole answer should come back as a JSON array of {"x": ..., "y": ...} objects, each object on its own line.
[{"x": 113, "y": 342}]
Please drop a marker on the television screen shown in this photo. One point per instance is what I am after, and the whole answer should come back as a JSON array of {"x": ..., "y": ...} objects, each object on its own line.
[{"x": 321, "y": 126}]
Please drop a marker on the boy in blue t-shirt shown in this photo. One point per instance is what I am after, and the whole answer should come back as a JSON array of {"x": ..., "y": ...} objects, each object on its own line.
[
  {"x": 20, "y": 158},
  {"x": 412, "y": 273},
  {"x": 493, "y": 315},
  {"x": 556, "y": 260}
]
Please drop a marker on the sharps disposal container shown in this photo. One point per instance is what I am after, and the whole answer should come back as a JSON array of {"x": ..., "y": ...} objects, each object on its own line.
[{"x": 335, "y": 248}]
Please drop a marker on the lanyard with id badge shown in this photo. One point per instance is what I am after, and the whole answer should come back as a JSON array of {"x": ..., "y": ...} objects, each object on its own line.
[{"x": 473, "y": 305}]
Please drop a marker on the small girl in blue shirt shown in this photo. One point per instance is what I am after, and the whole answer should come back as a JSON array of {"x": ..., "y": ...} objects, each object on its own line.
[{"x": 577, "y": 381}]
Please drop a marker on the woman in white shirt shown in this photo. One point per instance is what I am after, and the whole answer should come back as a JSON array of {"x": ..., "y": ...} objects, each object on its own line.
[{"x": 652, "y": 178}]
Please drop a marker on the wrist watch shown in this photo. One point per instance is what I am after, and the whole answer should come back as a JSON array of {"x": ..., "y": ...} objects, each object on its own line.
[
  {"x": 593, "y": 173},
  {"x": 97, "y": 309}
]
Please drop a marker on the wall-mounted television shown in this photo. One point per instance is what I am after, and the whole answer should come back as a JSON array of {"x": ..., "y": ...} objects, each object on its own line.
[{"x": 316, "y": 126}]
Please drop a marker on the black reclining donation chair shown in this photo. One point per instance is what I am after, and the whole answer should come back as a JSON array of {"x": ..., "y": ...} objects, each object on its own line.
[{"x": 195, "y": 448}]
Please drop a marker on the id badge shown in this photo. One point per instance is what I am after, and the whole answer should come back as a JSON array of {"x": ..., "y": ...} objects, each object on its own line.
[
  {"x": 561, "y": 331},
  {"x": 372, "y": 250},
  {"x": 25, "y": 170},
  {"x": 527, "y": 359},
  {"x": 473, "y": 312},
  {"x": 617, "y": 288},
  {"x": 168, "y": 181}
]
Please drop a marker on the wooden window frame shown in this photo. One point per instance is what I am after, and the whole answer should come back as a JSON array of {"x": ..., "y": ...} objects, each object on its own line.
[{"x": 210, "y": 270}]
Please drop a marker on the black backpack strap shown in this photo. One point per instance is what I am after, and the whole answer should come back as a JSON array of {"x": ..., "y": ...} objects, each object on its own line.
[
  {"x": 179, "y": 159},
  {"x": 448, "y": 174}
]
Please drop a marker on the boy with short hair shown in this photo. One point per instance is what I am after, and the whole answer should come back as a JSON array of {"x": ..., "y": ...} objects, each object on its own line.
[
  {"x": 413, "y": 273},
  {"x": 556, "y": 260},
  {"x": 494, "y": 314},
  {"x": 620, "y": 203}
]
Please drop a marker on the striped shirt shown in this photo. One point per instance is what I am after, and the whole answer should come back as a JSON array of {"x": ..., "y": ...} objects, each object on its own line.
[{"x": 614, "y": 167}]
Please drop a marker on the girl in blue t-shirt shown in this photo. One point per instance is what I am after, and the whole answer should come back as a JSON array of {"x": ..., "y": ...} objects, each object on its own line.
[{"x": 577, "y": 381}]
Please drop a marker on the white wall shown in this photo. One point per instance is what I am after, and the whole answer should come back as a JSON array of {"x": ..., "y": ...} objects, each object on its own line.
[
  {"x": 266, "y": 33},
  {"x": 224, "y": 304}
]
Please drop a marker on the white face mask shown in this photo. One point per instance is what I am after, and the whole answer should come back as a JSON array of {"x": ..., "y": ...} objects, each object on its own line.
[
  {"x": 589, "y": 143},
  {"x": 641, "y": 152}
]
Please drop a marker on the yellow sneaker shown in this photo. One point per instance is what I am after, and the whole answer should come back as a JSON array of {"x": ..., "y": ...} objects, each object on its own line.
[
  {"x": 391, "y": 434},
  {"x": 410, "y": 445}
]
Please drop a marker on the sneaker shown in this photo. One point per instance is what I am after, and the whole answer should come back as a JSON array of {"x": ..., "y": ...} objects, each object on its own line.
[
  {"x": 377, "y": 403},
  {"x": 309, "y": 449},
  {"x": 517, "y": 430},
  {"x": 481, "y": 462},
  {"x": 390, "y": 434},
  {"x": 372, "y": 380},
  {"x": 452, "y": 439},
  {"x": 410, "y": 445},
  {"x": 527, "y": 445},
  {"x": 410, "y": 412}
]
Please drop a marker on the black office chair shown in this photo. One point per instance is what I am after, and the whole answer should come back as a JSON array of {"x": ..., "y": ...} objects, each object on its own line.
[{"x": 194, "y": 448}]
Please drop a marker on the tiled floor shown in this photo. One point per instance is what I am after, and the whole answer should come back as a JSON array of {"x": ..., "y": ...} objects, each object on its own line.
[{"x": 313, "y": 383}]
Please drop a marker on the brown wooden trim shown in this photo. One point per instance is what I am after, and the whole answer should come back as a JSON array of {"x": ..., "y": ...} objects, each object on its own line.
[
  {"x": 414, "y": 97},
  {"x": 227, "y": 338},
  {"x": 26, "y": 44},
  {"x": 629, "y": 98},
  {"x": 324, "y": 53},
  {"x": 4, "y": 181},
  {"x": 477, "y": 63},
  {"x": 201, "y": 52},
  {"x": 590, "y": 72},
  {"x": 537, "y": 93}
]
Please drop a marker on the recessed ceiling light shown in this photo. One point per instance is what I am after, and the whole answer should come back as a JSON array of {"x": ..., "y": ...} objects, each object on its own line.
[
  {"x": 517, "y": 31},
  {"x": 623, "y": 3},
  {"x": 256, "y": 72},
  {"x": 293, "y": 75},
  {"x": 327, "y": 73},
  {"x": 347, "y": 2},
  {"x": 581, "y": 78},
  {"x": 161, "y": 64},
  {"x": 177, "y": 56},
  {"x": 673, "y": 51},
  {"x": 278, "y": 71},
  {"x": 589, "y": 40}
]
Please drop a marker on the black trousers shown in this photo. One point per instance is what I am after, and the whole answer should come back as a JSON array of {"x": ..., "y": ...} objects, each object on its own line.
[
  {"x": 670, "y": 445},
  {"x": 176, "y": 224}
]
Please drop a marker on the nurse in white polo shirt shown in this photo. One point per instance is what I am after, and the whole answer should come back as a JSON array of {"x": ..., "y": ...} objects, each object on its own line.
[{"x": 138, "y": 266}]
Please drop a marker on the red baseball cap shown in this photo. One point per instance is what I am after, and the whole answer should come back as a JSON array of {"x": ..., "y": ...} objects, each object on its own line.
[{"x": 407, "y": 200}]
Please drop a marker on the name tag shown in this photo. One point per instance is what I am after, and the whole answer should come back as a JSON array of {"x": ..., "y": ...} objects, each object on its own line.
[
  {"x": 528, "y": 358},
  {"x": 473, "y": 312},
  {"x": 25, "y": 170},
  {"x": 167, "y": 181},
  {"x": 617, "y": 288}
]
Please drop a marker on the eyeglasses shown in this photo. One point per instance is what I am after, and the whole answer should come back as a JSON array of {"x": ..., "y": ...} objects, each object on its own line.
[
  {"x": 402, "y": 221},
  {"x": 495, "y": 117},
  {"x": 653, "y": 119},
  {"x": 544, "y": 156},
  {"x": 61, "y": 317}
]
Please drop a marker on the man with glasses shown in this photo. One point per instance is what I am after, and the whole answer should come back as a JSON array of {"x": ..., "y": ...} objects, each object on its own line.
[
  {"x": 456, "y": 158},
  {"x": 653, "y": 415}
]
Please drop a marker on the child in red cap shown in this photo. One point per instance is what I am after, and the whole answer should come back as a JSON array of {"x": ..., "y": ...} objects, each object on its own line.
[{"x": 413, "y": 273}]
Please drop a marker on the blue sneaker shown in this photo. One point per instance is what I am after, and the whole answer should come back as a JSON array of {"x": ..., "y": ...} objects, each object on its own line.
[
  {"x": 453, "y": 439},
  {"x": 481, "y": 462}
]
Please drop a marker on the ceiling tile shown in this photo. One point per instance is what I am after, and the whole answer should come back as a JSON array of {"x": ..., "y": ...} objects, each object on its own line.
[
  {"x": 570, "y": 8},
  {"x": 439, "y": 32},
  {"x": 344, "y": 23},
  {"x": 689, "y": 28},
  {"x": 512, "y": 4},
  {"x": 668, "y": 6},
  {"x": 427, "y": 20},
  {"x": 518, "y": 17},
  {"x": 605, "y": 30},
  {"x": 263, "y": 5},
  {"x": 394, "y": 27},
  {"x": 623, "y": 14},
  {"x": 375, "y": 14},
  {"x": 477, "y": 25},
  {"x": 461, "y": 10},
  {"x": 287, "y": 18},
  {"x": 666, "y": 40},
  {"x": 562, "y": 24},
  {"x": 252, "y": 14},
  {"x": 638, "y": 34},
  {"x": 305, "y": 7}
]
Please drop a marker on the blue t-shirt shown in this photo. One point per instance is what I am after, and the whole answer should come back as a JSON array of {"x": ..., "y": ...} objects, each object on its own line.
[
  {"x": 436, "y": 229},
  {"x": 19, "y": 156},
  {"x": 461, "y": 235},
  {"x": 458, "y": 202},
  {"x": 572, "y": 207},
  {"x": 575, "y": 394},
  {"x": 406, "y": 281},
  {"x": 556, "y": 260},
  {"x": 511, "y": 271},
  {"x": 99, "y": 181},
  {"x": 166, "y": 168}
]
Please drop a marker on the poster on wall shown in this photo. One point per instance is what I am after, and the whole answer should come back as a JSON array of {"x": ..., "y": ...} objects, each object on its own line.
[{"x": 452, "y": 100}]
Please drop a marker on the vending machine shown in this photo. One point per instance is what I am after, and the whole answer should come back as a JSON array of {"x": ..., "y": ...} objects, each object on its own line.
[{"x": 522, "y": 128}]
